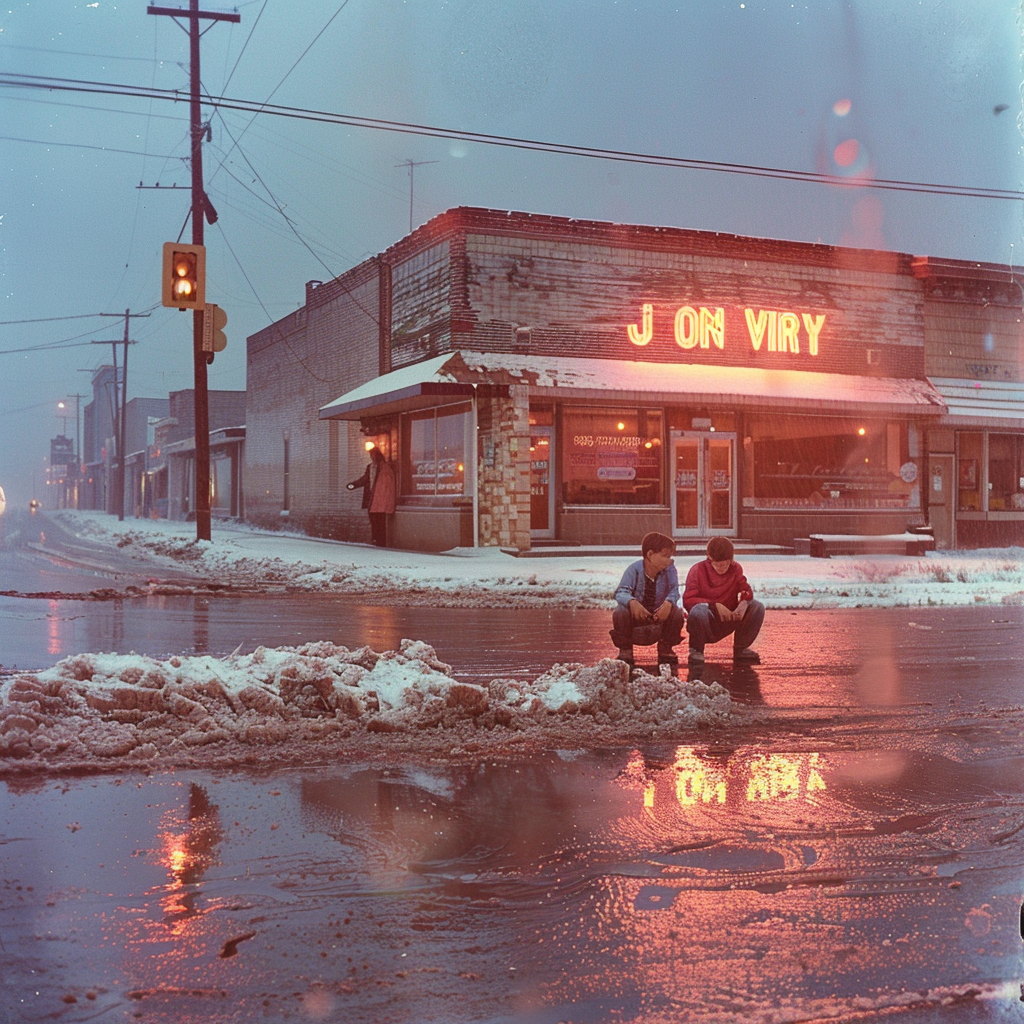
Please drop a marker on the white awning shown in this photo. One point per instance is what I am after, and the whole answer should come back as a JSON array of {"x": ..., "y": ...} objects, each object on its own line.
[
  {"x": 451, "y": 376},
  {"x": 981, "y": 403}
]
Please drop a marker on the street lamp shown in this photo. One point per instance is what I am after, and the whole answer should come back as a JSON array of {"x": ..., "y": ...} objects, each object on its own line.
[{"x": 62, "y": 413}]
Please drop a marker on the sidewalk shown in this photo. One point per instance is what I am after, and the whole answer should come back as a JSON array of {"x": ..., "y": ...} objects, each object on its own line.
[{"x": 239, "y": 555}]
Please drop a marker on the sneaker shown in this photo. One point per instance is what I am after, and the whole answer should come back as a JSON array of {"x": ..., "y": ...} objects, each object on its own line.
[
  {"x": 747, "y": 654},
  {"x": 696, "y": 657},
  {"x": 625, "y": 654}
]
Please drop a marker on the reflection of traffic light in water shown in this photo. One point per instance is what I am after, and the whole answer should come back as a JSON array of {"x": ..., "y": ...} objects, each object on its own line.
[{"x": 189, "y": 849}]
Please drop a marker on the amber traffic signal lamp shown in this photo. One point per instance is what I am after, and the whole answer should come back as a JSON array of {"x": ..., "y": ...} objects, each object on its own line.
[{"x": 184, "y": 276}]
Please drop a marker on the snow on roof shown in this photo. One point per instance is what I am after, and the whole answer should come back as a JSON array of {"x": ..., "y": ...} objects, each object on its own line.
[{"x": 581, "y": 377}]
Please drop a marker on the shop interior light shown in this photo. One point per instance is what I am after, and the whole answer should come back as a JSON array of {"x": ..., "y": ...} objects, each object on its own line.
[
  {"x": 861, "y": 431},
  {"x": 648, "y": 444},
  {"x": 370, "y": 446},
  {"x": 621, "y": 425}
]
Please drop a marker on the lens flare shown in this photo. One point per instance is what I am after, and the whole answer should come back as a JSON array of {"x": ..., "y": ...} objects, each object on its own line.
[
  {"x": 841, "y": 108},
  {"x": 846, "y": 153}
]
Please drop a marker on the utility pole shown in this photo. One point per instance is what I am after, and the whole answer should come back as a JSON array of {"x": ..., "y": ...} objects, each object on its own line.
[
  {"x": 78, "y": 445},
  {"x": 119, "y": 412},
  {"x": 201, "y": 208},
  {"x": 412, "y": 164}
]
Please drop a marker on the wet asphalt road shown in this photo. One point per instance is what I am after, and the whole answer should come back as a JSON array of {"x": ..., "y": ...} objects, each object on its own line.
[{"x": 853, "y": 849}]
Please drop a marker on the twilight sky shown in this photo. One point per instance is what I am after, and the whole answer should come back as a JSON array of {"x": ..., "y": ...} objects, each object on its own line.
[{"x": 912, "y": 90}]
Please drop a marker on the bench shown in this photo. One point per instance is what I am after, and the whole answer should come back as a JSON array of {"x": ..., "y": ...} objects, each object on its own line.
[{"x": 823, "y": 545}]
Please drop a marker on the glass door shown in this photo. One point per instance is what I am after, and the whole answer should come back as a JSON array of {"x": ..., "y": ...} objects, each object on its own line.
[
  {"x": 542, "y": 494},
  {"x": 703, "y": 484}
]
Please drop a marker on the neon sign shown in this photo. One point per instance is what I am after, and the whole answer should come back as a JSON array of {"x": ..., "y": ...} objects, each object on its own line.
[{"x": 704, "y": 327}]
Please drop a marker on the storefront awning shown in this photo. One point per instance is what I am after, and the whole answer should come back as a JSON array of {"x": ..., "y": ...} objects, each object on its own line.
[
  {"x": 453, "y": 375},
  {"x": 982, "y": 403}
]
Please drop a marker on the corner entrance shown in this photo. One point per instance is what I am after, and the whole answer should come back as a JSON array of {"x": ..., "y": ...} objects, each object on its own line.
[{"x": 703, "y": 484}]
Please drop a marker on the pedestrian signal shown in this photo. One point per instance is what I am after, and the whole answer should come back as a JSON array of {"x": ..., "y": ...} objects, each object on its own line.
[
  {"x": 184, "y": 276},
  {"x": 214, "y": 319}
]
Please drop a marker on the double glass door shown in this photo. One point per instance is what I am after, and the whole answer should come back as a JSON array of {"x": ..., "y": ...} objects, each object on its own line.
[{"x": 703, "y": 484}]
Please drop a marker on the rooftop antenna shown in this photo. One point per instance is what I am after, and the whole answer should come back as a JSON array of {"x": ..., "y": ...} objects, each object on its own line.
[{"x": 412, "y": 165}]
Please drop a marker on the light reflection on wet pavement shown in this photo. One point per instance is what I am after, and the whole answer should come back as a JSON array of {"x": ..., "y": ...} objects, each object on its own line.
[
  {"x": 851, "y": 847},
  {"x": 706, "y": 882}
]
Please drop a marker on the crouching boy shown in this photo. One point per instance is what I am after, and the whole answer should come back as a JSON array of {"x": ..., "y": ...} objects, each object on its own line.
[
  {"x": 719, "y": 601},
  {"x": 647, "y": 602}
]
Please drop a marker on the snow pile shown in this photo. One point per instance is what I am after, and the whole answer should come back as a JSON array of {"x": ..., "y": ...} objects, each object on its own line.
[{"x": 293, "y": 704}]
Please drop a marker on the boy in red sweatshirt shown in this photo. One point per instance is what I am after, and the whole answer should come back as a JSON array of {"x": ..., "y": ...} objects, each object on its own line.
[{"x": 719, "y": 601}]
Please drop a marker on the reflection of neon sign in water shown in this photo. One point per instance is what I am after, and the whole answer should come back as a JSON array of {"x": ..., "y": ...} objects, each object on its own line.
[{"x": 746, "y": 776}]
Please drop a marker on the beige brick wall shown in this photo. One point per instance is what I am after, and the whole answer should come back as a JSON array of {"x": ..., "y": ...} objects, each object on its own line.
[{"x": 504, "y": 483}]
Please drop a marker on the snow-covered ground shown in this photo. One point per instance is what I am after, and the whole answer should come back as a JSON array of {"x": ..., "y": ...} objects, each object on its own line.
[
  {"x": 322, "y": 702},
  {"x": 469, "y": 577}
]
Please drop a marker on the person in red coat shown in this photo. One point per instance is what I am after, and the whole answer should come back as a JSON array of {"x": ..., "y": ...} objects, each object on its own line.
[
  {"x": 719, "y": 602},
  {"x": 383, "y": 497}
]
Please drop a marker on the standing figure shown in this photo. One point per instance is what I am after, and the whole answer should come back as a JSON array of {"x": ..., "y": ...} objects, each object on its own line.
[
  {"x": 365, "y": 481},
  {"x": 647, "y": 602},
  {"x": 383, "y": 498},
  {"x": 719, "y": 601}
]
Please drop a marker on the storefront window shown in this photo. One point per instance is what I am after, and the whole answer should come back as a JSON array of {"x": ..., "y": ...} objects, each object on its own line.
[
  {"x": 611, "y": 457},
  {"x": 808, "y": 462},
  {"x": 434, "y": 446},
  {"x": 1005, "y": 472},
  {"x": 970, "y": 458}
]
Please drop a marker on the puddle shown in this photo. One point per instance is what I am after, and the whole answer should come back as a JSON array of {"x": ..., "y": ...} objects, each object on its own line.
[{"x": 696, "y": 883}]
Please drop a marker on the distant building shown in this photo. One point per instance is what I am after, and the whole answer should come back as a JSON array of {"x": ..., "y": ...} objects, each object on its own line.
[
  {"x": 171, "y": 456},
  {"x": 539, "y": 380},
  {"x": 140, "y": 416},
  {"x": 98, "y": 444}
]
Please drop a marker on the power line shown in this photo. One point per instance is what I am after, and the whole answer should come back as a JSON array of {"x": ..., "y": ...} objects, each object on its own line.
[
  {"x": 82, "y": 145},
  {"x": 506, "y": 141}
]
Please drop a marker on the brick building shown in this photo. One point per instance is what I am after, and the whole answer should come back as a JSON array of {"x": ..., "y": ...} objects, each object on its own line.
[
  {"x": 170, "y": 458},
  {"x": 536, "y": 379}
]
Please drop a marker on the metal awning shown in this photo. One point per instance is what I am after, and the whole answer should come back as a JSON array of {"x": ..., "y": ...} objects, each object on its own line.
[
  {"x": 981, "y": 403},
  {"x": 453, "y": 375}
]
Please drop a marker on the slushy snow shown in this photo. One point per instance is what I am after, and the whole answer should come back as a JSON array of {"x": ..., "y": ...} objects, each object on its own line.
[{"x": 320, "y": 702}]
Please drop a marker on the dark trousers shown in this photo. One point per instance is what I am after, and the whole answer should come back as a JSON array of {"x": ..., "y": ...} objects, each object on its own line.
[
  {"x": 379, "y": 528},
  {"x": 705, "y": 627},
  {"x": 626, "y": 631}
]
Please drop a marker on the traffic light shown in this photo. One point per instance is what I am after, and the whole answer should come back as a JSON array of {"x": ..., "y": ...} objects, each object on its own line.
[
  {"x": 184, "y": 276},
  {"x": 214, "y": 320}
]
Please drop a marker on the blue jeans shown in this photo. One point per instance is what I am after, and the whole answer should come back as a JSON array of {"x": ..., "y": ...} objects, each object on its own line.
[
  {"x": 705, "y": 627},
  {"x": 626, "y": 631}
]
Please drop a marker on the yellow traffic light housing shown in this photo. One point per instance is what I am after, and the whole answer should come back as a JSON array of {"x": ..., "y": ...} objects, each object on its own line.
[
  {"x": 214, "y": 319},
  {"x": 184, "y": 276}
]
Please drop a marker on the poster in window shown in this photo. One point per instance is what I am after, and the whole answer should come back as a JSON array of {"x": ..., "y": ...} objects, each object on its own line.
[{"x": 969, "y": 474}]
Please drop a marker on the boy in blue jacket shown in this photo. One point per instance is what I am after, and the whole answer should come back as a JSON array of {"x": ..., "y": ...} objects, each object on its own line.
[{"x": 648, "y": 608}]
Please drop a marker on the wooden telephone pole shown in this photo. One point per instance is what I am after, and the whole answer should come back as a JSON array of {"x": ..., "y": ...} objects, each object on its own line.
[{"x": 202, "y": 209}]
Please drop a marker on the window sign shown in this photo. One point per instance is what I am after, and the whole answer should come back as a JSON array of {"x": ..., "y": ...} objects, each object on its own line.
[{"x": 612, "y": 457}]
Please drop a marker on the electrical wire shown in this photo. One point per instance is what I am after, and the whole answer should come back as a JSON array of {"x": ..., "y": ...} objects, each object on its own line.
[
  {"x": 273, "y": 91},
  {"x": 281, "y": 336},
  {"x": 511, "y": 142},
  {"x": 82, "y": 145}
]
